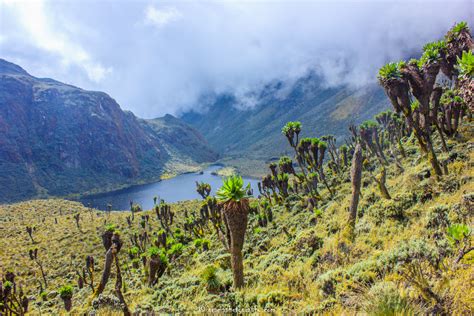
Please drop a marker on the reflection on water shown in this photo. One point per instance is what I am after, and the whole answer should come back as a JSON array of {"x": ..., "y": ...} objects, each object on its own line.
[{"x": 180, "y": 188}]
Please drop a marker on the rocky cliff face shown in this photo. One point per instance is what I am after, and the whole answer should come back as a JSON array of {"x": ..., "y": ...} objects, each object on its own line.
[{"x": 57, "y": 139}]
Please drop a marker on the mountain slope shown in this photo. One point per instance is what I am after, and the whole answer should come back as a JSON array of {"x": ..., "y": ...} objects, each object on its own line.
[
  {"x": 180, "y": 139},
  {"x": 57, "y": 139},
  {"x": 253, "y": 134}
]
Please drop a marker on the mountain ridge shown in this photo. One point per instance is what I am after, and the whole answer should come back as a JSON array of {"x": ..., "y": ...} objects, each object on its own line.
[{"x": 58, "y": 139}]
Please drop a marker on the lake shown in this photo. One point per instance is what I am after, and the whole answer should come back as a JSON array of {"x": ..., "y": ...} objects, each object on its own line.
[{"x": 179, "y": 188}]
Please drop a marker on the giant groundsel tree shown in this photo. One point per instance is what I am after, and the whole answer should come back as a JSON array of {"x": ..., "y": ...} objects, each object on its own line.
[{"x": 235, "y": 208}]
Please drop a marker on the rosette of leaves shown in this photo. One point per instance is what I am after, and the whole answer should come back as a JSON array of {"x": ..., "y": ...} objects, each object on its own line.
[
  {"x": 66, "y": 292},
  {"x": 292, "y": 130}
]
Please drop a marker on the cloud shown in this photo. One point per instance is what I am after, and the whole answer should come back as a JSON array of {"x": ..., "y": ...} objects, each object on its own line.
[
  {"x": 36, "y": 27},
  {"x": 161, "y": 17},
  {"x": 157, "y": 57}
]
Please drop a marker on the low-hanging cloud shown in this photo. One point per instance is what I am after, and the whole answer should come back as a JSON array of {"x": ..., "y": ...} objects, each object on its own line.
[{"x": 158, "y": 57}]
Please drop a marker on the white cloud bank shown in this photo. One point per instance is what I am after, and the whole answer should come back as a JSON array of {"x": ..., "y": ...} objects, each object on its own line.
[
  {"x": 35, "y": 27},
  {"x": 159, "y": 57},
  {"x": 161, "y": 17}
]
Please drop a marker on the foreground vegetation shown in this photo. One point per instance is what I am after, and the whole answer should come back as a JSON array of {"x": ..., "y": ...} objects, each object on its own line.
[{"x": 379, "y": 225}]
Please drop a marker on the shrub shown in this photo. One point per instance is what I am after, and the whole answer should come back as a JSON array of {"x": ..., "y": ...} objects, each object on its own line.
[
  {"x": 155, "y": 251},
  {"x": 394, "y": 209},
  {"x": 457, "y": 232},
  {"x": 307, "y": 243},
  {"x": 437, "y": 217},
  {"x": 274, "y": 298},
  {"x": 198, "y": 243},
  {"x": 384, "y": 299},
  {"x": 110, "y": 228},
  {"x": 415, "y": 250},
  {"x": 176, "y": 249}
]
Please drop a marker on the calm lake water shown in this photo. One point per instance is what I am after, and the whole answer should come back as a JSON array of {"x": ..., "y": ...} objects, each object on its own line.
[{"x": 180, "y": 188}]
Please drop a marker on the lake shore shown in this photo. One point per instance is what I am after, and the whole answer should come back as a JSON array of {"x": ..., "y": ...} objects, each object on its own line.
[
  {"x": 168, "y": 174},
  {"x": 175, "y": 189}
]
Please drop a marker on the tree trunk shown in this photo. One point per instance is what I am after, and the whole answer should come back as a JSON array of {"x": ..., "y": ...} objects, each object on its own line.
[
  {"x": 236, "y": 216},
  {"x": 106, "y": 274},
  {"x": 381, "y": 184},
  {"x": 356, "y": 177},
  {"x": 67, "y": 303},
  {"x": 156, "y": 268},
  {"x": 401, "y": 149},
  {"x": 441, "y": 137},
  {"x": 237, "y": 267},
  {"x": 433, "y": 159},
  {"x": 118, "y": 288}
]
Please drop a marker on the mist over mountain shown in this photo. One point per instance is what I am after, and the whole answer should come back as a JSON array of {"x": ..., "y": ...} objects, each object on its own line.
[
  {"x": 180, "y": 51},
  {"x": 254, "y": 133}
]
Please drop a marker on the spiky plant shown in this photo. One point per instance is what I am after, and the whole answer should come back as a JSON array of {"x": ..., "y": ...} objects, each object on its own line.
[
  {"x": 235, "y": 207},
  {"x": 432, "y": 53},
  {"x": 157, "y": 263},
  {"x": 211, "y": 279},
  {"x": 459, "y": 27},
  {"x": 465, "y": 64},
  {"x": 290, "y": 130},
  {"x": 390, "y": 71},
  {"x": 286, "y": 165}
]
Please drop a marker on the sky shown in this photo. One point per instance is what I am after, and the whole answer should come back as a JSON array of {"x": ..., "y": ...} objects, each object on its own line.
[{"x": 157, "y": 57}]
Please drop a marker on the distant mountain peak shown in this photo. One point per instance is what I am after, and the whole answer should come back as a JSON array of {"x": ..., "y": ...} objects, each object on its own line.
[{"x": 7, "y": 67}]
